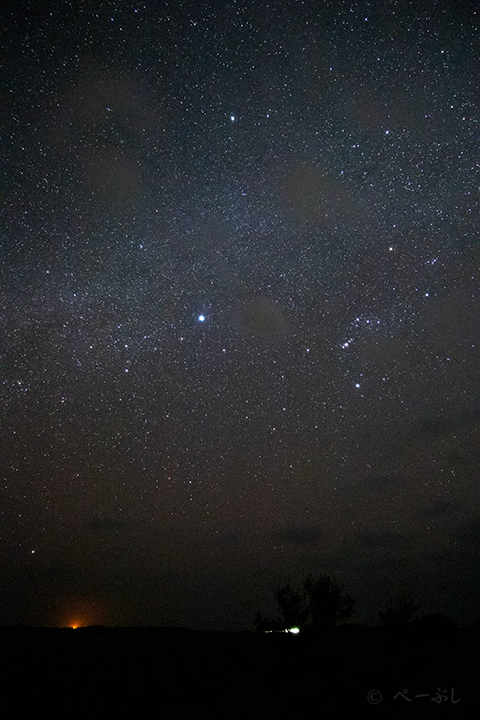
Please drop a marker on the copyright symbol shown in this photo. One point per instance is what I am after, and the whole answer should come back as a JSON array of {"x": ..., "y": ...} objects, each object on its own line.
[{"x": 374, "y": 697}]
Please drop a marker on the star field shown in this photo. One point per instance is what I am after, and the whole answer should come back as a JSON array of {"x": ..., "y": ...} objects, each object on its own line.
[{"x": 241, "y": 285}]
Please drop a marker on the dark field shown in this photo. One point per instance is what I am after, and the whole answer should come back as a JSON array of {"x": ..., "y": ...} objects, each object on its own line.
[{"x": 175, "y": 673}]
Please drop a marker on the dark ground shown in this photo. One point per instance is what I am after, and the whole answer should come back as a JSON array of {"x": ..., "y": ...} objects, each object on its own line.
[{"x": 175, "y": 673}]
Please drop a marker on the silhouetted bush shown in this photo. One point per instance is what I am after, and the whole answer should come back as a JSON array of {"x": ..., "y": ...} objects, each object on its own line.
[
  {"x": 434, "y": 623},
  {"x": 317, "y": 605},
  {"x": 398, "y": 615}
]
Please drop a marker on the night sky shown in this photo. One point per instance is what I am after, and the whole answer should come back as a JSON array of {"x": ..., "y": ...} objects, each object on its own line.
[{"x": 240, "y": 330}]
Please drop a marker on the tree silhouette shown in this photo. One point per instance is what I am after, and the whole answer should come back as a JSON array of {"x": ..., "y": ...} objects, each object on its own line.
[
  {"x": 433, "y": 623},
  {"x": 398, "y": 615},
  {"x": 319, "y": 604},
  {"x": 327, "y": 603},
  {"x": 291, "y": 602}
]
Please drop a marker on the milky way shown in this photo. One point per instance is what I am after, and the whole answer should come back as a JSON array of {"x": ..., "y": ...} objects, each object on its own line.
[{"x": 240, "y": 305}]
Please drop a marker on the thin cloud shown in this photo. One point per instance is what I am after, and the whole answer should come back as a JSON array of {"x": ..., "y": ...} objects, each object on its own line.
[
  {"x": 107, "y": 523},
  {"x": 300, "y": 535}
]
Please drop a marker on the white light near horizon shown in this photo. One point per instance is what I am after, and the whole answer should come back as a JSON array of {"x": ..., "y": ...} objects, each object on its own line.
[{"x": 295, "y": 630}]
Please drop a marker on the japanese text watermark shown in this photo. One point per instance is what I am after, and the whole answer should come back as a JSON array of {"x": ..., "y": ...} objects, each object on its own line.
[{"x": 375, "y": 697}]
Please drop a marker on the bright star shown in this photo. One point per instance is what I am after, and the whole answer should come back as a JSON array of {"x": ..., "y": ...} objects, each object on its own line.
[
  {"x": 201, "y": 318},
  {"x": 232, "y": 118}
]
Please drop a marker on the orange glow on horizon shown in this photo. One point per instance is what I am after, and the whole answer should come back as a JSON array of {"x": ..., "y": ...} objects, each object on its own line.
[{"x": 82, "y": 612}]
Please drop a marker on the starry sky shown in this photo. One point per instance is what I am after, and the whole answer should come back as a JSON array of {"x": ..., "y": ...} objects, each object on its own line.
[{"x": 240, "y": 330}]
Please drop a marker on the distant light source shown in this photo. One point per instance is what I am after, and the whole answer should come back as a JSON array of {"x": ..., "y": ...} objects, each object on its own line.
[
  {"x": 201, "y": 318},
  {"x": 294, "y": 630}
]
